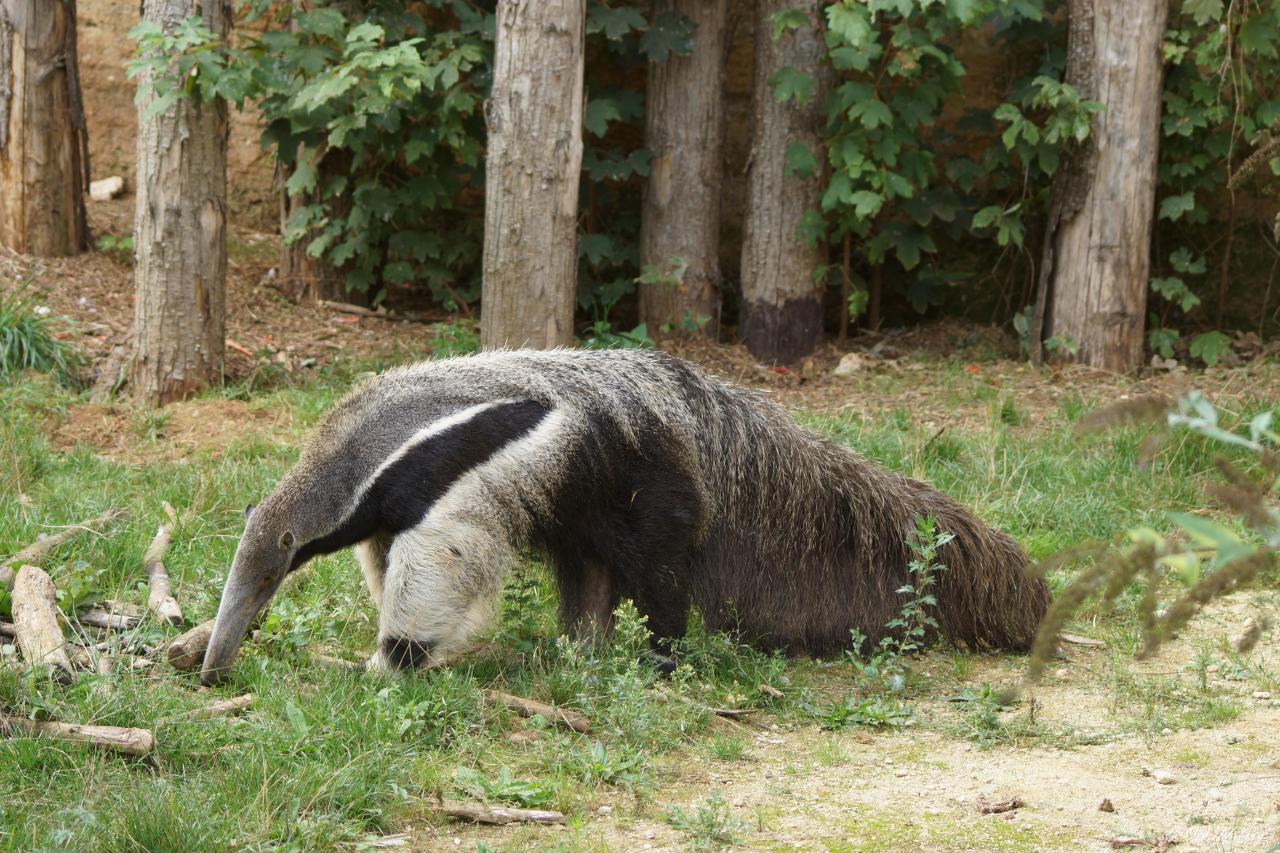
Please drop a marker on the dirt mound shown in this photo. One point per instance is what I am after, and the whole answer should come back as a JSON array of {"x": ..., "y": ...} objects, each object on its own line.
[{"x": 178, "y": 431}]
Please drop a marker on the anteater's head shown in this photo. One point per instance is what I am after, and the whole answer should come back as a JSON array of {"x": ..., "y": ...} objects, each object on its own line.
[{"x": 268, "y": 550}]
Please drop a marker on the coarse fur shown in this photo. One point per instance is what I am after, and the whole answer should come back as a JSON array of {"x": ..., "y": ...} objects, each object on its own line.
[{"x": 637, "y": 475}]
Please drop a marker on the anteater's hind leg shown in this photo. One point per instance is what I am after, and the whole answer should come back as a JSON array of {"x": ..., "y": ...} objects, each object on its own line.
[{"x": 588, "y": 595}]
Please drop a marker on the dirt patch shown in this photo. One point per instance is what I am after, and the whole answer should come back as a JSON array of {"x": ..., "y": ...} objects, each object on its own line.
[
  {"x": 924, "y": 787},
  {"x": 179, "y": 431}
]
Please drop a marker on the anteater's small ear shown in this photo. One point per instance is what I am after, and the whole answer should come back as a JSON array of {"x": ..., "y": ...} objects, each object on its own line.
[
  {"x": 285, "y": 542},
  {"x": 248, "y": 511}
]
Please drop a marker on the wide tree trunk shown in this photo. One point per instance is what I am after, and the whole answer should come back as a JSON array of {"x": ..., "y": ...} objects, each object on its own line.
[
  {"x": 44, "y": 152},
  {"x": 180, "y": 230},
  {"x": 684, "y": 128},
  {"x": 534, "y": 117},
  {"x": 782, "y": 304},
  {"x": 1094, "y": 273}
]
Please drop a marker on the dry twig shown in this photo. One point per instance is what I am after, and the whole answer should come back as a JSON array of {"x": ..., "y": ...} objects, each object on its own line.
[
  {"x": 495, "y": 814},
  {"x": 532, "y": 707},
  {"x": 35, "y": 553},
  {"x": 116, "y": 738},
  {"x": 160, "y": 599}
]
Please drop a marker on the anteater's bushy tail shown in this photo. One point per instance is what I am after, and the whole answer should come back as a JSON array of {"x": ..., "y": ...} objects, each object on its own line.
[{"x": 811, "y": 542}]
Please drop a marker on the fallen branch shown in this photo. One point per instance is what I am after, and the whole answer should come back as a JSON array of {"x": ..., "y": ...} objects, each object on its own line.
[
  {"x": 1077, "y": 640},
  {"x": 1000, "y": 806},
  {"x": 340, "y": 663},
  {"x": 35, "y": 620},
  {"x": 116, "y": 616},
  {"x": 532, "y": 707},
  {"x": 35, "y": 553},
  {"x": 727, "y": 713},
  {"x": 496, "y": 815},
  {"x": 131, "y": 741},
  {"x": 160, "y": 599},
  {"x": 186, "y": 651},
  {"x": 7, "y": 630},
  {"x": 221, "y": 708}
]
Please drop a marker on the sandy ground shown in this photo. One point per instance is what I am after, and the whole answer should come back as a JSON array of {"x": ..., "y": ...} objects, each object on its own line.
[{"x": 924, "y": 787}]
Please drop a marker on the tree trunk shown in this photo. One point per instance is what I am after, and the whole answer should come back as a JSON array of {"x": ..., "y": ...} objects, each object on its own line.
[
  {"x": 303, "y": 277},
  {"x": 1098, "y": 245},
  {"x": 534, "y": 117},
  {"x": 782, "y": 305},
  {"x": 684, "y": 128},
  {"x": 44, "y": 150},
  {"x": 180, "y": 230}
]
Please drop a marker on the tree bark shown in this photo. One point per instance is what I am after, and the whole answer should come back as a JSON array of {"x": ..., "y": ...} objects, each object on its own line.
[
  {"x": 305, "y": 278},
  {"x": 684, "y": 128},
  {"x": 1097, "y": 249},
  {"x": 782, "y": 305},
  {"x": 180, "y": 231},
  {"x": 44, "y": 150},
  {"x": 534, "y": 118}
]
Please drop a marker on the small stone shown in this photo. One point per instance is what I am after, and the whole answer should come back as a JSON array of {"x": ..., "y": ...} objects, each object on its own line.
[
  {"x": 1166, "y": 732},
  {"x": 1212, "y": 668},
  {"x": 604, "y": 811},
  {"x": 901, "y": 774},
  {"x": 106, "y": 189},
  {"x": 1262, "y": 694},
  {"x": 648, "y": 833},
  {"x": 1163, "y": 777},
  {"x": 1061, "y": 674},
  {"x": 1106, "y": 806},
  {"x": 850, "y": 363}
]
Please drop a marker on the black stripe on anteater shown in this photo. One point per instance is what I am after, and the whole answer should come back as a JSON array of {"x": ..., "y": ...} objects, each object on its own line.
[{"x": 404, "y": 493}]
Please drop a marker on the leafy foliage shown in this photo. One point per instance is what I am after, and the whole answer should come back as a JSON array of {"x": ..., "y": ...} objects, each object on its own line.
[
  {"x": 26, "y": 342},
  {"x": 1177, "y": 576}
]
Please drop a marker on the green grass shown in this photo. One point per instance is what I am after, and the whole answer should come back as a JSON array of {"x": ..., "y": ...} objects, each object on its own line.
[{"x": 328, "y": 757}]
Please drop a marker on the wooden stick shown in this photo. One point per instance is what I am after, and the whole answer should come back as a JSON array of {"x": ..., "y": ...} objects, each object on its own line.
[
  {"x": 531, "y": 707},
  {"x": 495, "y": 814},
  {"x": 35, "y": 553},
  {"x": 131, "y": 741},
  {"x": 7, "y": 630},
  {"x": 221, "y": 708},
  {"x": 35, "y": 620},
  {"x": 1077, "y": 640},
  {"x": 186, "y": 651},
  {"x": 340, "y": 663},
  {"x": 116, "y": 616},
  {"x": 160, "y": 599}
]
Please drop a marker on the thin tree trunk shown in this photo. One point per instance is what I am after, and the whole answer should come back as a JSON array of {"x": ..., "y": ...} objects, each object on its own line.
[
  {"x": 180, "y": 231},
  {"x": 1098, "y": 247},
  {"x": 782, "y": 304},
  {"x": 534, "y": 118},
  {"x": 303, "y": 277},
  {"x": 44, "y": 152},
  {"x": 684, "y": 128}
]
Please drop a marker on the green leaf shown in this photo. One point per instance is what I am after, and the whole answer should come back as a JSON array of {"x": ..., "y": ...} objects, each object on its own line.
[
  {"x": 669, "y": 33},
  {"x": 599, "y": 112},
  {"x": 800, "y": 161},
  {"x": 296, "y": 719},
  {"x": 1210, "y": 347},
  {"x": 789, "y": 19},
  {"x": 1173, "y": 207},
  {"x": 866, "y": 204},
  {"x": 851, "y": 23},
  {"x": 1162, "y": 341},
  {"x": 303, "y": 179},
  {"x": 1203, "y": 11},
  {"x": 614, "y": 22},
  {"x": 1183, "y": 261},
  {"x": 789, "y": 83}
]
